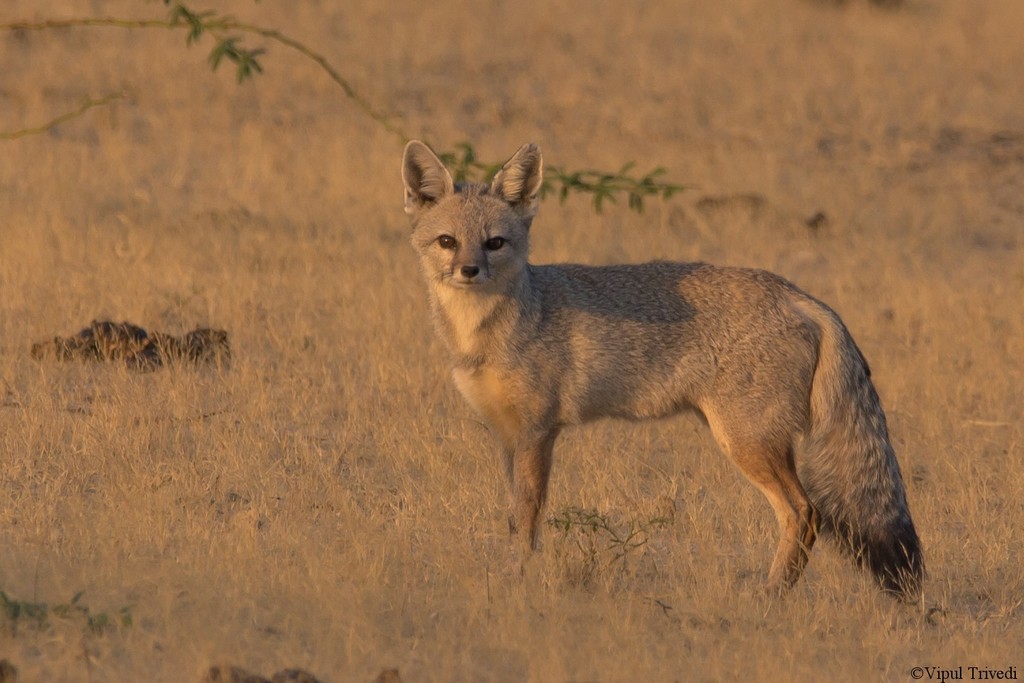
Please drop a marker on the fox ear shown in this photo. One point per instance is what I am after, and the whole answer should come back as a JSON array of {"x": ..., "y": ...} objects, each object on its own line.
[
  {"x": 519, "y": 180},
  {"x": 425, "y": 177}
]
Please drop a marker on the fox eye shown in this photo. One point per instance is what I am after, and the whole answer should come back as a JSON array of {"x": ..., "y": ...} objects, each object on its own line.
[
  {"x": 446, "y": 242},
  {"x": 494, "y": 243}
]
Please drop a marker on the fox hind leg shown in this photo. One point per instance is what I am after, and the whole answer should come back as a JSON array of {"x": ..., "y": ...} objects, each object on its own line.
[
  {"x": 769, "y": 464},
  {"x": 773, "y": 472}
]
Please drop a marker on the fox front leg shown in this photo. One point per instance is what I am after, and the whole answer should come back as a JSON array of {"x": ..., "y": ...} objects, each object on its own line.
[{"x": 528, "y": 466}]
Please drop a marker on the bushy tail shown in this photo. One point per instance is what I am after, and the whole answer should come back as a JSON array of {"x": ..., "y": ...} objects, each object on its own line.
[{"x": 848, "y": 466}]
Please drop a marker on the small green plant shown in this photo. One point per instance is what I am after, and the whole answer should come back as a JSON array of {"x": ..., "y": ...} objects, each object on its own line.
[
  {"x": 22, "y": 611},
  {"x": 595, "y": 535},
  {"x": 37, "y": 615},
  {"x": 229, "y": 47}
]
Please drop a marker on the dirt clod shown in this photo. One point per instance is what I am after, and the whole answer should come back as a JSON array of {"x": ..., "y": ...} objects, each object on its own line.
[{"x": 125, "y": 342}]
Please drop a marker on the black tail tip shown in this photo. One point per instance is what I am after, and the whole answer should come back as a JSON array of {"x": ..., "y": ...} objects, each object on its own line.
[{"x": 898, "y": 566}]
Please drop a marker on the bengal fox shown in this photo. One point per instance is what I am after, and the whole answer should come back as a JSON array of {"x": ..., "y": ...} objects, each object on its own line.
[{"x": 774, "y": 371}]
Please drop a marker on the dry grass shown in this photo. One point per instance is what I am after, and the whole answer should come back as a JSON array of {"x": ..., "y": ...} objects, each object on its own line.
[{"x": 330, "y": 502}]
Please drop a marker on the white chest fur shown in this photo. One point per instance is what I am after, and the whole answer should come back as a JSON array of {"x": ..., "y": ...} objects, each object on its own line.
[{"x": 464, "y": 311}]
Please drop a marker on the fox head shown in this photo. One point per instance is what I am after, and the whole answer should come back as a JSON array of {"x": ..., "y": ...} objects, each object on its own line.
[{"x": 471, "y": 236}]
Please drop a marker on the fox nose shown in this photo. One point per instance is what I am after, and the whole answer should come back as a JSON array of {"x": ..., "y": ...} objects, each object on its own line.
[{"x": 469, "y": 271}]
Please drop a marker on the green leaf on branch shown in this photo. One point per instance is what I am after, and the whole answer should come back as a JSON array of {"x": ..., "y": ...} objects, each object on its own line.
[
  {"x": 246, "y": 61},
  {"x": 196, "y": 21}
]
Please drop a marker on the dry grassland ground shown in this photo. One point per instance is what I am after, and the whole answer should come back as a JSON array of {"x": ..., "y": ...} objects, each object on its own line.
[{"x": 330, "y": 502}]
